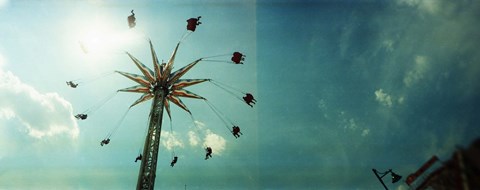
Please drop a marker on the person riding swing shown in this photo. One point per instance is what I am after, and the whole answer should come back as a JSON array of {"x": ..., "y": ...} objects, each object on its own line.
[
  {"x": 249, "y": 99},
  {"x": 238, "y": 57},
  {"x": 209, "y": 153},
  {"x": 105, "y": 142},
  {"x": 131, "y": 20},
  {"x": 81, "y": 116},
  {"x": 192, "y": 23},
  {"x": 236, "y": 131},
  {"x": 71, "y": 84},
  {"x": 139, "y": 157},
  {"x": 174, "y": 161}
]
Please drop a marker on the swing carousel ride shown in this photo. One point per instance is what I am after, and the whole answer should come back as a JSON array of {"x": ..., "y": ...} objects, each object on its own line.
[{"x": 164, "y": 86}]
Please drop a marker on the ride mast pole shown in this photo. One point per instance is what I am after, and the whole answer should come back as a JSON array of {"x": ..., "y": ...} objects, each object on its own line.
[{"x": 146, "y": 176}]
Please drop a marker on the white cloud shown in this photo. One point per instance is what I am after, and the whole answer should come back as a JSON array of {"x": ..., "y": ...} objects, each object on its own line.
[
  {"x": 169, "y": 140},
  {"x": 6, "y": 113},
  {"x": 365, "y": 132},
  {"x": 38, "y": 115},
  {"x": 401, "y": 100},
  {"x": 350, "y": 124},
  {"x": 446, "y": 8},
  {"x": 417, "y": 73},
  {"x": 216, "y": 142},
  {"x": 388, "y": 44},
  {"x": 193, "y": 138},
  {"x": 430, "y": 6},
  {"x": 408, "y": 2},
  {"x": 323, "y": 106},
  {"x": 210, "y": 139},
  {"x": 346, "y": 35},
  {"x": 199, "y": 124},
  {"x": 383, "y": 98}
]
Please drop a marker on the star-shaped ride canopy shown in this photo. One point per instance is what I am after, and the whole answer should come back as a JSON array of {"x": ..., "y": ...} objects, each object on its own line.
[{"x": 162, "y": 77}]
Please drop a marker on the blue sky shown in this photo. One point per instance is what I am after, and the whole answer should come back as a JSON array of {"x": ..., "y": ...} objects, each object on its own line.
[{"x": 342, "y": 87}]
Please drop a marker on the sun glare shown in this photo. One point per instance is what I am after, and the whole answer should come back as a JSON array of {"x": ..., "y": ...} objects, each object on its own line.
[
  {"x": 3, "y": 3},
  {"x": 98, "y": 40},
  {"x": 102, "y": 37}
]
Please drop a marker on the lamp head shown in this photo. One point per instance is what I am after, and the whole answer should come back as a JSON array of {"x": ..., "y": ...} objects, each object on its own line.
[{"x": 395, "y": 177}]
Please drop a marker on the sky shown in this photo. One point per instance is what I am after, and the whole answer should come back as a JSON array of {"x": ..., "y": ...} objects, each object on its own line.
[{"x": 341, "y": 86}]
